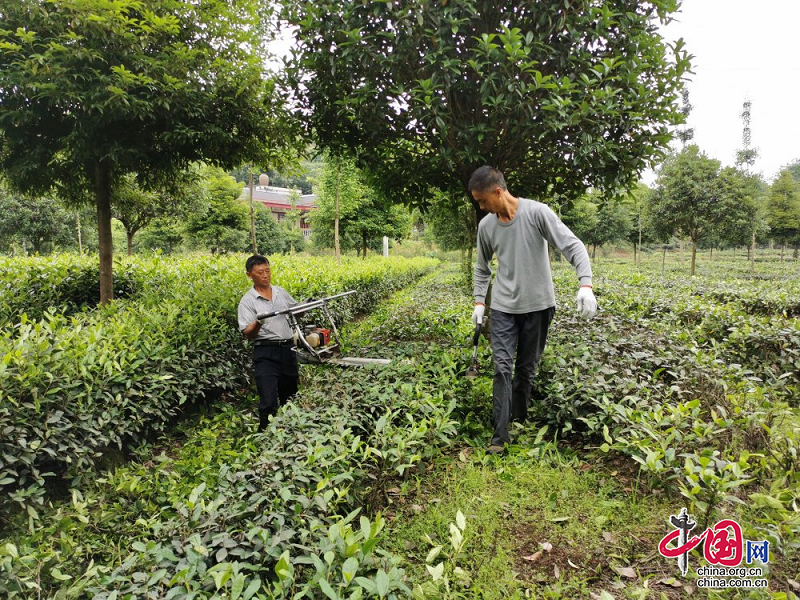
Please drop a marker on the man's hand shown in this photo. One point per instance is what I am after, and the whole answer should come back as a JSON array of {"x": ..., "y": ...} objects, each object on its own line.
[
  {"x": 587, "y": 303},
  {"x": 477, "y": 314}
]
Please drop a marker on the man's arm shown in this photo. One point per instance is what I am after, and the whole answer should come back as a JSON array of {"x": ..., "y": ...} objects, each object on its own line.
[
  {"x": 561, "y": 236},
  {"x": 248, "y": 324},
  {"x": 483, "y": 272}
]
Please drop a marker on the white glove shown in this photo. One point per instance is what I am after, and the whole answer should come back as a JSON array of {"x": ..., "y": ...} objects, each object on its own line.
[
  {"x": 587, "y": 303},
  {"x": 477, "y": 314}
]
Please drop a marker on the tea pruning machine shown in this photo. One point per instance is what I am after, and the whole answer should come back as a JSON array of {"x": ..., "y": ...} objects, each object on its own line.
[{"x": 315, "y": 344}]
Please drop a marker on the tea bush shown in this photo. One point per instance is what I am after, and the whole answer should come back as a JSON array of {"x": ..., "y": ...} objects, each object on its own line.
[
  {"x": 72, "y": 387},
  {"x": 237, "y": 514}
]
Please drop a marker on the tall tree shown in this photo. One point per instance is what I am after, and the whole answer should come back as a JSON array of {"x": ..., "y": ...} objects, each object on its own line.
[
  {"x": 559, "y": 94},
  {"x": 90, "y": 91},
  {"x": 136, "y": 207},
  {"x": 34, "y": 224},
  {"x": 270, "y": 238},
  {"x": 364, "y": 214},
  {"x": 686, "y": 200},
  {"x": 783, "y": 210},
  {"x": 220, "y": 223}
]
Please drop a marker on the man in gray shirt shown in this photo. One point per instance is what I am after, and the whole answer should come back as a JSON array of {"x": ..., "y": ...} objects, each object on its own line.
[
  {"x": 517, "y": 231},
  {"x": 274, "y": 360}
]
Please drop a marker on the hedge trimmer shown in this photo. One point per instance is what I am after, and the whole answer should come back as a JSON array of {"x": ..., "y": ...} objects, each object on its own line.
[{"x": 316, "y": 344}]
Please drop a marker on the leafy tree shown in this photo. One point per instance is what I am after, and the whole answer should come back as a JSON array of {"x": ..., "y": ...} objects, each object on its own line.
[
  {"x": 560, "y": 95},
  {"x": 597, "y": 221},
  {"x": 365, "y": 215},
  {"x": 36, "y": 224},
  {"x": 221, "y": 222},
  {"x": 136, "y": 207},
  {"x": 91, "y": 91},
  {"x": 783, "y": 210},
  {"x": 793, "y": 168},
  {"x": 640, "y": 231},
  {"x": 452, "y": 225},
  {"x": 686, "y": 201},
  {"x": 163, "y": 234},
  {"x": 743, "y": 218},
  {"x": 270, "y": 237}
]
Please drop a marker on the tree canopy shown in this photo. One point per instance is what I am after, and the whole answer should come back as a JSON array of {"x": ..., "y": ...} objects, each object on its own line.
[
  {"x": 693, "y": 199},
  {"x": 90, "y": 91},
  {"x": 560, "y": 95}
]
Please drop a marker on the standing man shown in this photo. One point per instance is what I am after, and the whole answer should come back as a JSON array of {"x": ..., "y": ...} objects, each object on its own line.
[
  {"x": 274, "y": 360},
  {"x": 523, "y": 301}
]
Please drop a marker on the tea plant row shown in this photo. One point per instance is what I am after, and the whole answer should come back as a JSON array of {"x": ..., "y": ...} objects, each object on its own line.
[
  {"x": 231, "y": 513},
  {"x": 71, "y": 387}
]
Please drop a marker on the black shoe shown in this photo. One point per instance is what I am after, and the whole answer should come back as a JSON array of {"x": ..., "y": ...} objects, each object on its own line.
[{"x": 263, "y": 421}]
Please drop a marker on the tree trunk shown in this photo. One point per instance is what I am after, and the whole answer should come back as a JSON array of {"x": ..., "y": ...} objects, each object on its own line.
[
  {"x": 80, "y": 241},
  {"x": 336, "y": 251},
  {"x": 252, "y": 215},
  {"x": 663, "y": 259},
  {"x": 783, "y": 247},
  {"x": 694, "y": 256},
  {"x": 364, "y": 245},
  {"x": 102, "y": 196},
  {"x": 129, "y": 235},
  {"x": 753, "y": 252},
  {"x": 639, "y": 259}
]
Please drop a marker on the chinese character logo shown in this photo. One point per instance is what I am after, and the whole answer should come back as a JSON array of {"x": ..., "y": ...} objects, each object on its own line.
[
  {"x": 723, "y": 545},
  {"x": 757, "y": 551}
]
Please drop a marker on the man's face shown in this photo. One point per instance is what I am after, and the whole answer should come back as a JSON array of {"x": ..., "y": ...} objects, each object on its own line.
[
  {"x": 488, "y": 200},
  {"x": 261, "y": 275}
]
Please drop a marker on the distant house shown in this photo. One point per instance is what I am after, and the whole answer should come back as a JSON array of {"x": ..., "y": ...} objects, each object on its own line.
[{"x": 279, "y": 200}]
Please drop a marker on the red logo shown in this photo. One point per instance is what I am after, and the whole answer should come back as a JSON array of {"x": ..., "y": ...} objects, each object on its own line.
[{"x": 723, "y": 544}]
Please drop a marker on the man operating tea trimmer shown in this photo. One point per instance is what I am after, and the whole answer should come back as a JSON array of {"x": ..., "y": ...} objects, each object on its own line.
[{"x": 517, "y": 231}]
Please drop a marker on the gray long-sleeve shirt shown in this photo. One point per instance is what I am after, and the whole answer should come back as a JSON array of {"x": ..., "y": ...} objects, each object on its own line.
[{"x": 523, "y": 282}]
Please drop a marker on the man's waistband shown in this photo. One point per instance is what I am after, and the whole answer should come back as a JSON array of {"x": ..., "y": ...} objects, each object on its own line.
[{"x": 288, "y": 342}]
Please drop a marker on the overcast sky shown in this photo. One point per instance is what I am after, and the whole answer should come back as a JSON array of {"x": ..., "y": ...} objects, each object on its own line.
[{"x": 743, "y": 49}]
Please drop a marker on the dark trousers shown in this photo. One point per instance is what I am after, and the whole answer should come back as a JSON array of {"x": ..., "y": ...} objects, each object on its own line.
[
  {"x": 522, "y": 337},
  {"x": 276, "y": 377}
]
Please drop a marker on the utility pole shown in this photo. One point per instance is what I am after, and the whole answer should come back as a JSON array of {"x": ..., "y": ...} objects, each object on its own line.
[
  {"x": 745, "y": 159},
  {"x": 252, "y": 215}
]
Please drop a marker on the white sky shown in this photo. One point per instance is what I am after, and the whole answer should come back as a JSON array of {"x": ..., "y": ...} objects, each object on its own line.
[{"x": 743, "y": 49}]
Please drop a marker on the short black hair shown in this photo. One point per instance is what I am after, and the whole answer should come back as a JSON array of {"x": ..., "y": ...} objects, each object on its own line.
[
  {"x": 255, "y": 260},
  {"x": 486, "y": 178}
]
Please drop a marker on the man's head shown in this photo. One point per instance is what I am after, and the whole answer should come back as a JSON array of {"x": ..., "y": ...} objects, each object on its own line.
[
  {"x": 487, "y": 185},
  {"x": 258, "y": 270}
]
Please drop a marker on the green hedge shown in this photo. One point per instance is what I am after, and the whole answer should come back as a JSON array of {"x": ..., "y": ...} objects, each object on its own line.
[{"x": 72, "y": 387}]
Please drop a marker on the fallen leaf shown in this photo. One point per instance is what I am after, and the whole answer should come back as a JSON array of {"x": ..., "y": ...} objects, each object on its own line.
[
  {"x": 572, "y": 564},
  {"x": 559, "y": 519},
  {"x": 533, "y": 557},
  {"x": 626, "y": 572},
  {"x": 393, "y": 490},
  {"x": 688, "y": 589},
  {"x": 557, "y": 572},
  {"x": 416, "y": 508},
  {"x": 671, "y": 581},
  {"x": 618, "y": 585},
  {"x": 794, "y": 584},
  {"x": 609, "y": 537},
  {"x": 546, "y": 546}
]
